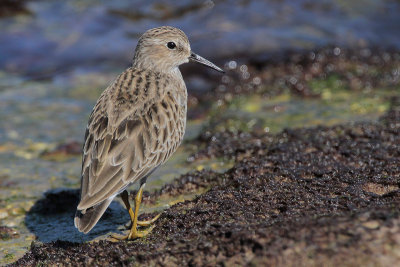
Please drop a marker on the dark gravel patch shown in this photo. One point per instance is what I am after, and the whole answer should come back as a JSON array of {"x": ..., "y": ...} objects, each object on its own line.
[
  {"x": 188, "y": 183},
  {"x": 323, "y": 195},
  {"x": 231, "y": 145}
]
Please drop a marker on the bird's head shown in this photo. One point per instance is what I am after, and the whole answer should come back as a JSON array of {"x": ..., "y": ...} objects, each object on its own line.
[{"x": 164, "y": 49}]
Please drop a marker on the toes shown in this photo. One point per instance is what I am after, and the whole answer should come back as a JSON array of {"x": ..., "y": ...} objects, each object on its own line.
[
  {"x": 116, "y": 237},
  {"x": 139, "y": 234},
  {"x": 147, "y": 223}
]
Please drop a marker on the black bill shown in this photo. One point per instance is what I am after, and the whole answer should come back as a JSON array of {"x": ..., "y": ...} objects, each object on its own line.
[{"x": 201, "y": 60}]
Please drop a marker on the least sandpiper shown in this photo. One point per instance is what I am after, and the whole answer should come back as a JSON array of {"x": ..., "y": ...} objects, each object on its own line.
[{"x": 136, "y": 125}]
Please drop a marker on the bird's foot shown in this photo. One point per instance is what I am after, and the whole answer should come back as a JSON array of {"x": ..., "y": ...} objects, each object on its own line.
[
  {"x": 144, "y": 223},
  {"x": 134, "y": 233}
]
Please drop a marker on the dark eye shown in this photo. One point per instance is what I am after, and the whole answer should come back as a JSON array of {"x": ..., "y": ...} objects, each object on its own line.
[{"x": 171, "y": 45}]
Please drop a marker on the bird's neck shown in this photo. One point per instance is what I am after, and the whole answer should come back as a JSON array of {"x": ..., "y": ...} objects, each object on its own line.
[
  {"x": 155, "y": 64},
  {"x": 176, "y": 73},
  {"x": 147, "y": 65}
]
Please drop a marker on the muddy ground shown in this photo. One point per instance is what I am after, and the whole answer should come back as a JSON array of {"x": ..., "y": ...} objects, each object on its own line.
[{"x": 304, "y": 197}]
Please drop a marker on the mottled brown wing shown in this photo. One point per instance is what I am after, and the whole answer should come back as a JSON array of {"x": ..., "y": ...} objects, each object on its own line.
[{"x": 115, "y": 156}]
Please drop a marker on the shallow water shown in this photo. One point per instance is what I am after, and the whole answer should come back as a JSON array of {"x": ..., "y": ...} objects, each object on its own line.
[{"x": 61, "y": 36}]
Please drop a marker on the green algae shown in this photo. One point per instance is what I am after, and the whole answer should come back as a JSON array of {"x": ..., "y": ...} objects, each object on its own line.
[
  {"x": 335, "y": 104},
  {"x": 9, "y": 257}
]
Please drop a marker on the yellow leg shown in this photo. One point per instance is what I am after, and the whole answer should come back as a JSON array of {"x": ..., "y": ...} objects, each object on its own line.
[
  {"x": 125, "y": 199},
  {"x": 134, "y": 232}
]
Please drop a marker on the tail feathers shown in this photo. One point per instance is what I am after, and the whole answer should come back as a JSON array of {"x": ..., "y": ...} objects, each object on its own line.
[{"x": 86, "y": 219}]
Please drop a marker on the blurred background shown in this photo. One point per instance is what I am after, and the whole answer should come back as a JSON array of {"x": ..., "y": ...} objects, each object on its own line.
[{"x": 289, "y": 64}]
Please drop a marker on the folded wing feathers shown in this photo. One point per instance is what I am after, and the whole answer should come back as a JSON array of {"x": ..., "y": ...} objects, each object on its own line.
[{"x": 135, "y": 147}]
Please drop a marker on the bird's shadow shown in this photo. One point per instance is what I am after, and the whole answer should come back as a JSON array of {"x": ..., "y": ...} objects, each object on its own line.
[{"x": 52, "y": 217}]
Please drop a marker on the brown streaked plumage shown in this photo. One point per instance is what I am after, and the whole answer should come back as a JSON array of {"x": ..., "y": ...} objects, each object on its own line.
[{"x": 136, "y": 125}]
